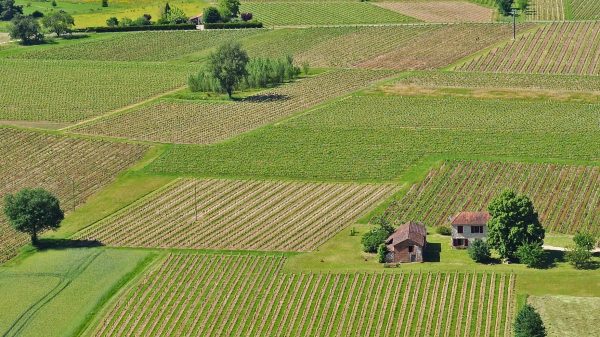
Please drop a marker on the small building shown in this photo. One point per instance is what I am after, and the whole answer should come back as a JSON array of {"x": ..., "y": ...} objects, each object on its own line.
[
  {"x": 468, "y": 226},
  {"x": 197, "y": 20},
  {"x": 406, "y": 244}
]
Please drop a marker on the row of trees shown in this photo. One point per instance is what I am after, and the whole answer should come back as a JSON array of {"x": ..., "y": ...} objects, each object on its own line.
[
  {"x": 27, "y": 28},
  {"x": 506, "y": 6},
  {"x": 230, "y": 68},
  {"x": 169, "y": 15},
  {"x": 226, "y": 11}
]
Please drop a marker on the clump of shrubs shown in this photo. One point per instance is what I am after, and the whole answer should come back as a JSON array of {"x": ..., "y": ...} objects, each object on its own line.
[
  {"x": 246, "y": 17},
  {"x": 479, "y": 251},
  {"x": 381, "y": 252},
  {"x": 580, "y": 256},
  {"x": 377, "y": 236},
  {"x": 532, "y": 255},
  {"x": 444, "y": 230}
]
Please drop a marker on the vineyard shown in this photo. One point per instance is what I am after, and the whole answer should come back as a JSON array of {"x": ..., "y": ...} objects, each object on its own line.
[
  {"x": 239, "y": 215},
  {"x": 242, "y": 295},
  {"x": 140, "y": 46},
  {"x": 441, "y": 47},
  {"x": 566, "y": 197},
  {"x": 441, "y": 11},
  {"x": 73, "y": 169},
  {"x": 585, "y": 9},
  {"x": 436, "y": 79},
  {"x": 204, "y": 123},
  {"x": 70, "y": 91},
  {"x": 342, "y": 142},
  {"x": 321, "y": 13},
  {"x": 547, "y": 10},
  {"x": 557, "y": 48}
]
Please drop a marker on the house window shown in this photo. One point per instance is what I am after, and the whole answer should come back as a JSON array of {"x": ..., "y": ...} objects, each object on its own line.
[
  {"x": 411, "y": 249},
  {"x": 466, "y": 244},
  {"x": 459, "y": 229},
  {"x": 476, "y": 229}
]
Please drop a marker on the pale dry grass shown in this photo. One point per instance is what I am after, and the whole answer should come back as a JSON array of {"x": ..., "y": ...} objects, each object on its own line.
[{"x": 441, "y": 11}]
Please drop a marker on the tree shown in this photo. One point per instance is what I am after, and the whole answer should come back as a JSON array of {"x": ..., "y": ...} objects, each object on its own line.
[
  {"x": 112, "y": 22},
  {"x": 33, "y": 210},
  {"x": 532, "y": 255},
  {"x": 8, "y": 10},
  {"x": 505, "y": 6},
  {"x": 584, "y": 240},
  {"x": 479, "y": 251},
  {"x": 529, "y": 323},
  {"x": 104, "y": 3},
  {"x": 228, "y": 65},
  {"x": 211, "y": 15},
  {"x": 381, "y": 252},
  {"x": 376, "y": 236},
  {"x": 27, "y": 29},
  {"x": 59, "y": 22},
  {"x": 173, "y": 15},
  {"x": 522, "y": 4},
  {"x": 229, "y": 8},
  {"x": 513, "y": 223},
  {"x": 579, "y": 257}
]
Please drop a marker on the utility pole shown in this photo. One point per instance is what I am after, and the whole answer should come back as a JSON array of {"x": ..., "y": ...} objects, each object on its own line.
[{"x": 514, "y": 15}]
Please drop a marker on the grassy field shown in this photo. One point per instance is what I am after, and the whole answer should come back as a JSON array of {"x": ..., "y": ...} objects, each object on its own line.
[
  {"x": 355, "y": 140},
  {"x": 567, "y": 197},
  {"x": 272, "y": 216},
  {"x": 557, "y": 48},
  {"x": 251, "y": 296},
  {"x": 195, "y": 121},
  {"x": 71, "y": 91},
  {"x": 65, "y": 287},
  {"x": 321, "y": 13},
  {"x": 73, "y": 169},
  {"x": 567, "y": 315}
]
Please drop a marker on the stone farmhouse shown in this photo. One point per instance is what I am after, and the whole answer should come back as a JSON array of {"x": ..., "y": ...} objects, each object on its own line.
[
  {"x": 468, "y": 226},
  {"x": 406, "y": 244}
]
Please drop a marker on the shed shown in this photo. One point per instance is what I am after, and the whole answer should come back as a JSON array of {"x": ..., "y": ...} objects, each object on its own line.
[{"x": 406, "y": 244}]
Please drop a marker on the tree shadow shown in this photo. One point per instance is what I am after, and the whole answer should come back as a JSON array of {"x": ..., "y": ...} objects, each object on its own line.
[
  {"x": 432, "y": 252},
  {"x": 75, "y": 36},
  {"x": 265, "y": 98},
  {"x": 57, "y": 244}
]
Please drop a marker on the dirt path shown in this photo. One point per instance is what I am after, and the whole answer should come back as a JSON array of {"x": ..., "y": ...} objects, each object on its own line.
[{"x": 563, "y": 249}]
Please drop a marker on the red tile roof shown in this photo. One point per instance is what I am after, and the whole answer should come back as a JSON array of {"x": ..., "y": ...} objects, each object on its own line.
[
  {"x": 412, "y": 231},
  {"x": 471, "y": 218}
]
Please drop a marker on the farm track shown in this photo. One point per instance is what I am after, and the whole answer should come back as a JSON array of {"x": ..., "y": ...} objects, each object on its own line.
[
  {"x": 73, "y": 169},
  {"x": 250, "y": 296},
  {"x": 233, "y": 215},
  {"x": 471, "y": 186}
]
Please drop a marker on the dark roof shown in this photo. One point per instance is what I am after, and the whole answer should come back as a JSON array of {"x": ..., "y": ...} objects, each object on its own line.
[
  {"x": 412, "y": 231},
  {"x": 471, "y": 218}
]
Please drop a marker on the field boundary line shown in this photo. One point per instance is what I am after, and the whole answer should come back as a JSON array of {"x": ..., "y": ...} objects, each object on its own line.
[{"x": 121, "y": 110}]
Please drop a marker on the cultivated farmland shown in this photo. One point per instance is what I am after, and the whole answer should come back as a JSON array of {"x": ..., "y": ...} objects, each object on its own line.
[
  {"x": 321, "y": 13},
  {"x": 557, "y": 48},
  {"x": 73, "y": 169},
  {"x": 566, "y": 196},
  {"x": 585, "y": 9},
  {"x": 238, "y": 215},
  {"x": 176, "y": 121},
  {"x": 243, "y": 295},
  {"x": 441, "y": 47},
  {"x": 547, "y": 10},
  {"x": 441, "y": 11},
  {"x": 70, "y": 91}
]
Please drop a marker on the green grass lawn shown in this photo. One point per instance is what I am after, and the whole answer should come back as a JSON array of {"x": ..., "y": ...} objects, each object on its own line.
[
  {"x": 321, "y": 13},
  {"x": 568, "y": 315},
  {"x": 56, "y": 292}
]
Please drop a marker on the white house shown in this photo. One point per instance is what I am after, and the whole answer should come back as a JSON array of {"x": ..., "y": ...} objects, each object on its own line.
[{"x": 468, "y": 226}]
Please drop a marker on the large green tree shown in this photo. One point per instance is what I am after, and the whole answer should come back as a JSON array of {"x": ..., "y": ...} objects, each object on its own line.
[
  {"x": 528, "y": 323},
  {"x": 229, "y": 8},
  {"x": 59, "y": 22},
  {"x": 514, "y": 222},
  {"x": 27, "y": 29},
  {"x": 32, "y": 211},
  {"x": 505, "y": 6},
  {"x": 228, "y": 65},
  {"x": 8, "y": 10}
]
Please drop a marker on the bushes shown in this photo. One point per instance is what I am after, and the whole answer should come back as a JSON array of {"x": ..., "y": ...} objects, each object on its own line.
[
  {"x": 137, "y": 28},
  {"x": 27, "y": 29},
  {"x": 444, "y": 230},
  {"x": 580, "y": 256},
  {"x": 376, "y": 236},
  {"x": 529, "y": 323},
  {"x": 211, "y": 15},
  {"x": 233, "y": 25},
  {"x": 479, "y": 251},
  {"x": 532, "y": 254},
  {"x": 263, "y": 72},
  {"x": 381, "y": 252},
  {"x": 9, "y": 11},
  {"x": 246, "y": 17}
]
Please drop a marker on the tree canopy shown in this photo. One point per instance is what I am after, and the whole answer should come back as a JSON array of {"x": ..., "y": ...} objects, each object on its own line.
[
  {"x": 528, "y": 323},
  {"x": 514, "y": 222},
  {"x": 27, "y": 29},
  {"x": 228, "y": 66},
  {"x": 8, "y": 10},
  {"x": 59, "y": 22},
  {"x": 32, "y": 211},
  {"x": 229, "y": 8}
]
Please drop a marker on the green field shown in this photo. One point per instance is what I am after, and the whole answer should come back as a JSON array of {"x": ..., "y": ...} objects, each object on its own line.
[
  {"x": 321, "y": 13},
  {"x": 65, "y": 287},
  {"x": 567, "y": 315}
]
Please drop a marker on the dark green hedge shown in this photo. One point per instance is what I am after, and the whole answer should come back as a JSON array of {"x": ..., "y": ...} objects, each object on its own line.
[
  {"x": 233, "y": 25},
  {"x": 137, "y": 28}
]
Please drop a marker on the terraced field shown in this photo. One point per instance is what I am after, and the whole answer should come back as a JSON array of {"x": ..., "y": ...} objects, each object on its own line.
[
  {"x": 73, "y": 169},
  {"x": 557, "y": 48},
  {"x": 547, "y": 10},
  {"x": 585, "y": 9},
  {"x": 357, "y": 140},
  {"x": 70, "y": 91},
  {"x": 441, "y": 11},
  {"x": 442, "y": 47},
  {"x": 566, "y": 197},
  {"x": 239, "y": 215},
  {"x": 321, "y": 13},
  {"x": 243, "y": 295},
  {"x": 140, "y": 46},
  {"x": 204, "y": 123}
]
